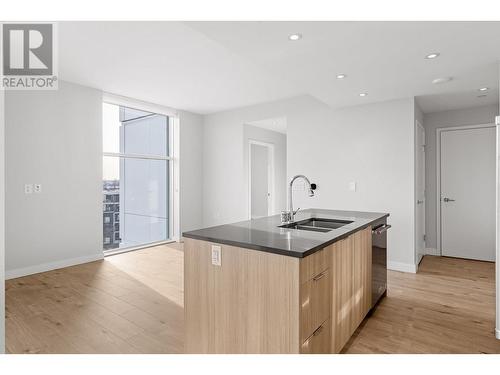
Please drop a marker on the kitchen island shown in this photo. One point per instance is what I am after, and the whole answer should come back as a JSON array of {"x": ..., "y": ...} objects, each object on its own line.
[{"x": 260, "y": 286}]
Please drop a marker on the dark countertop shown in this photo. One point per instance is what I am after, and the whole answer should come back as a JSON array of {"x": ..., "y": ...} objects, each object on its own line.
[{"x": 264, "y": 234}]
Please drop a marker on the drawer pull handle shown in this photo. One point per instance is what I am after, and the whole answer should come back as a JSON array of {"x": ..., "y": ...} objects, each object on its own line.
[
  {"x": 320, "y": 276},
  {"x": 318, "y": 330}
]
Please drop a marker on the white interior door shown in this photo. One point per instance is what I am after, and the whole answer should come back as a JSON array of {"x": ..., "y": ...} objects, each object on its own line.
[
  {"x": 468, "y": 193},
  {"x": 420, "y": 191},
  {"x": 259, "y": 180}
]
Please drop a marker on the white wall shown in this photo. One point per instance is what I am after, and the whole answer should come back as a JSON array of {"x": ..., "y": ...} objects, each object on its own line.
[
  {"x": 2, "y": 226},
  {"x": 419, "y": 115},
  {"x": 224, "y": 159},
  {"x": 191, "y": 170},
  {"x": 371, "y": 144},
  {"x": 279, "y": 142},
  {"x": 432, "y": 121},
  {"x": 53, "y": 138}
]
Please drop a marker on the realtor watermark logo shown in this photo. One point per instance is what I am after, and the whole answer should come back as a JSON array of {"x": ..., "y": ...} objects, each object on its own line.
[{"x": 28, "y": 55}]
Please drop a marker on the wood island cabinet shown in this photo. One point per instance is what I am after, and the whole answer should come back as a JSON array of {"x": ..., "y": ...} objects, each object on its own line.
[
  {"x": 351, "y": 285},
  {"x": 261, "y": 302}
]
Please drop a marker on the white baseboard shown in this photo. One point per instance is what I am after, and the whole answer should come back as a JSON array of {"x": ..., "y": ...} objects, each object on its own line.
[
  {"x": 20, "y": 272},
  {"x": 402, "y": 267},
  {"x": 432, "y": 251}
]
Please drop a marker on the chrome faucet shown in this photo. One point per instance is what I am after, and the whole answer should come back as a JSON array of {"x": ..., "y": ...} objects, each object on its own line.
[{"x": 289, "y": 215}]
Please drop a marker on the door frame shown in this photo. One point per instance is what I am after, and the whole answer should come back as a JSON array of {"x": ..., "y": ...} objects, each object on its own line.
[
  {"x": 270, "y": 175},
  {"x": 497, "y": 263},
  {"x": 417, "y": 255},
  {"x": 439, "y": 131}
]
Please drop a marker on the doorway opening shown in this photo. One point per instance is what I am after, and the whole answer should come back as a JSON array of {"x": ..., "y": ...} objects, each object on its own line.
[
  {"x": 460, "y": 174},
  {"x": 420, "y": 236},
  {"x": 265, "y": 155},
  {"x": 261, "y": 179}
]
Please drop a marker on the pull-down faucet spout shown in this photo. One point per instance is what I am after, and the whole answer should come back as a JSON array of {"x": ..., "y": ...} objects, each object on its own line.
[{"x": 289, "y": 214}]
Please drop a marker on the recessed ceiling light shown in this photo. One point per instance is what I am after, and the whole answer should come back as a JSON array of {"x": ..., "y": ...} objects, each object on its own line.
[
  {"x": 438, "y": 81},
  {"x": 484, "y": 89},
  {"x": 341, "y": 76},
  {"x": 295, "y": 37},
  {"x": 363, "y": 94},
  {"x": 431, "y": 56}
]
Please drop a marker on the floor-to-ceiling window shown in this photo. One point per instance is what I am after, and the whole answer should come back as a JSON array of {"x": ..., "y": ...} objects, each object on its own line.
[{"x": 136, "y": 178}]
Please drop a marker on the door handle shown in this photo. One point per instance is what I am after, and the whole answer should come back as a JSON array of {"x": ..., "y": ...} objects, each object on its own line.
[
  {"x": 420, "y": 202},
  {"x": 448, "y": 200},
  {"x": 381, "y": 229}
]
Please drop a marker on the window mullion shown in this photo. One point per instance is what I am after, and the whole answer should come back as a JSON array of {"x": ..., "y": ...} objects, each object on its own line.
[{"x": 137, "y": 156}]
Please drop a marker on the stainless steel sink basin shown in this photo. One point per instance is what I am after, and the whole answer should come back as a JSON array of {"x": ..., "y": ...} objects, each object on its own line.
[
  {"x": 304, "y": 227},
  {"x": 316, "y": 224}
]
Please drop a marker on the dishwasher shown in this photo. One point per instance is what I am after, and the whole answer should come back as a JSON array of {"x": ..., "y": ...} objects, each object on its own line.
[{"x": 379, "y": 260}]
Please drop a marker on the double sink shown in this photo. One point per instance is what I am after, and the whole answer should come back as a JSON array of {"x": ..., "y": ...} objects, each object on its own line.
[{"x": 316, "y": 224}]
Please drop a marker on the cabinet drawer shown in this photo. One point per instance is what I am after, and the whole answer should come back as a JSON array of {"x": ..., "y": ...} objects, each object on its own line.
[
  {"x": 314, "y": 264},
  {"x": 320, "y": 341},
  {"x": 315, "y": 303}
]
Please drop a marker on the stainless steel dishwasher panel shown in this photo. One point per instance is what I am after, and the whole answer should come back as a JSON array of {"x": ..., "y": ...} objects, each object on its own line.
[{"x": 379, "y": 260}]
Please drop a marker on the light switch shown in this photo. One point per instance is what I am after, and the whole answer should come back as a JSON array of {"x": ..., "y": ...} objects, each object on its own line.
[
  {"x": 28, "y": 188},
  {"x": 37, "y": 188},
  {"x": 216, "y": 255},
  {"x": 352, "y": 186}
]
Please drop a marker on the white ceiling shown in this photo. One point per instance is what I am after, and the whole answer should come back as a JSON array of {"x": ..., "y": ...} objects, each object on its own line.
[
  {"x": 212, "y": 66},
  {"x": 277, "y": 124},
  {"x": 165, "y": 63},
  {"x": 457, "y": 100}
]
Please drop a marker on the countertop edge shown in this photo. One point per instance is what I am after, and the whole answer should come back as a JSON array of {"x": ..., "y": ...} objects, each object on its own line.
[{"x": 277, "y": 251}]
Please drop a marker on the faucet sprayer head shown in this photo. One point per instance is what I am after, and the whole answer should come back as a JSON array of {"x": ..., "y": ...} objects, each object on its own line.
[{"x": 312, "y": 187}]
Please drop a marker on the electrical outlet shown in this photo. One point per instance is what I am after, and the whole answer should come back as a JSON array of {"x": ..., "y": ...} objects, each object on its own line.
[
  {"x": 28, "y": 188},
  {"x": 216, "y": 255},
  {"x": 37, "y": 188},
  {"x": 352, "y": 186}
]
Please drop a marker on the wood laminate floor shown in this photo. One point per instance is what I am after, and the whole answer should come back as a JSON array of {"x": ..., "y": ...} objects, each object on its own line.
[
  {"x": 133, "y": 303},
  {"x": 447, "y": 307},
  {"x": 127, "y": 303}
]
